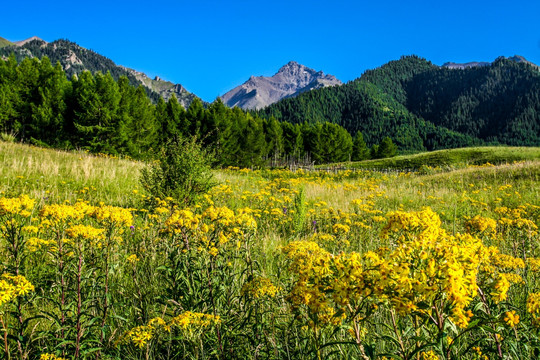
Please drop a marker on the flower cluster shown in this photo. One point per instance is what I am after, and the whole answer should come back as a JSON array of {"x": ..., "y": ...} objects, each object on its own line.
[
  {"x": 12, "y": 286},
  {"x": 21, "y": 205},
  {"x": 188, "y": 321},
  {"x": 427, "y": 269},
  {"x": 260, "y": 287},
  {"x": 50, "y": 357}
]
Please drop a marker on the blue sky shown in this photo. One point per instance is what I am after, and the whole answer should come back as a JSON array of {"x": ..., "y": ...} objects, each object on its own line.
[{"x": 211, "y": 46}]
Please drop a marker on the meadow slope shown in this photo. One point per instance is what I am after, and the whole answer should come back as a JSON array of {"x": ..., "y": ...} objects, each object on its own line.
[{"x": 441, "y": 263}]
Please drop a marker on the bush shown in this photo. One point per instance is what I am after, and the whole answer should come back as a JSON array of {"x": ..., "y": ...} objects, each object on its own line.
[
  {"x": 8, "y": 137},
  {"x": 182, "y": 172}
]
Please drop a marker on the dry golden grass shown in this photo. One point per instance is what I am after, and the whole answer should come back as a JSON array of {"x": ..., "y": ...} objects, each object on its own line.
[{"x": 64, "y": 175}]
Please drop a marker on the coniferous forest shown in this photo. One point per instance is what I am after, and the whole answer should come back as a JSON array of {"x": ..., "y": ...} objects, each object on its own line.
[
  {"x": 422, "y": 106},
  {"x": 408, "y": 105},
  {"x": 40, "y": 105}
]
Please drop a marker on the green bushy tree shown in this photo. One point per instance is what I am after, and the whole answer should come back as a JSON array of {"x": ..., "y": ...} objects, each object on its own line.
[
  {"x": 360, "y": 150},
  {"x": 386, "y": 148},
  {"x": 183, "y": 172}
]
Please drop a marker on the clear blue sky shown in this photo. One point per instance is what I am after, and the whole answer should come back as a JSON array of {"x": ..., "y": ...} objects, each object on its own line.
[{"x": 211, "y": 46}]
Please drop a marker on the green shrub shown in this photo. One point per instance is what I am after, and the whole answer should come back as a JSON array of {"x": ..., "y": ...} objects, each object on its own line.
[
  {"x": 8, "y": 137},
  {"x": 182, "y": 172}
]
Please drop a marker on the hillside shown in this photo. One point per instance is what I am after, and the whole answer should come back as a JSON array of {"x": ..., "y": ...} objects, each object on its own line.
[
  {"x": 424, "y": 106},
  {"x": 373, "y": 110},
  {"x": 75, "y": 59},
  {"x": 4, "y": 42},
  {"x": 451, "y": 158},
  {"x": 497, "y": 103}
]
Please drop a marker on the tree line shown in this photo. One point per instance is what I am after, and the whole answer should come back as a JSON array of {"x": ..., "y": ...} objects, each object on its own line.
[{"x": 40, "y": 105}]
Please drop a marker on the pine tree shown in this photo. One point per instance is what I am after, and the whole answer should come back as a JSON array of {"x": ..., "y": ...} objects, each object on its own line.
[
  {"x": 360, "y": 150},
  {"x": 48, "y": 111},
  {"x": 9, "y": 96},
  {"x": 252, "y": 142},
  {"x": 177, "y": 124},
  {"x": 374, "y": 152},
  {"x": 122, "y": 138},
  {"x": 386, "y": 148},
  {"x": 85, "y": 106},
  {"x": 194, "y": 116},
  {"x": 144, "y": 128},
  {"x": 274, "y": 138}
]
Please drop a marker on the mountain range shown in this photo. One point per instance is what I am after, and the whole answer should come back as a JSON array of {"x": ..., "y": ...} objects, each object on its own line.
[
  {"x": 292, "y": 79},
  {"x": 75, "y": 59},
  {"x": 424, "y": 106},
  {"x": 256, "y": 93},
  {"x": 515, "y": 58},
  {"x": 419, "y": 104}
]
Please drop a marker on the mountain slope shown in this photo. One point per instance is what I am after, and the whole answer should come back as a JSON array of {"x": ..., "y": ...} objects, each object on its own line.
[
  {"x": 362, "y": 106},
  {"x": 75, "y": 59},
  {"x": 421, "y": 105},
  {"x": 4, "y": 42},
  {"x": 462, "y": 66},
  {"x": 498, "y": 103},
  {"x": 291, "y": 80}
]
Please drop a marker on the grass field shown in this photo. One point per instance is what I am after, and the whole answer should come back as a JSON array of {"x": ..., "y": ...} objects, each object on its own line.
[{"x": 441, "y": 263}]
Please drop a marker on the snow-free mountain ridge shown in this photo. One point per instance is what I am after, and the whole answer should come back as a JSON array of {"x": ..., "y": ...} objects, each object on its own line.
[
  {"x": 258, "y": 92},
  {"x": 291, "y": 79},
  {"x": 75, "y": 59},
  {"x": 516, "y": 58}
]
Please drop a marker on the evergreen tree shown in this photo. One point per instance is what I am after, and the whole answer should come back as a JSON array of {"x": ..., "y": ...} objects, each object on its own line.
[
  {"x": 28, "y": 95},
  {"x": 253, "y": 144},
  {"x": 122, "y": 139},
  {"x": 195, "y": 117},
  {"x": 292, "y": 140},
  {"x": 219, "y": 121},
  {"x": 274, "y": 138},
  {"x": 86, "y": 105},
  {"x": 143, "y": 130},
  {"x": 360, "y": 150},
  {"x": 374, "y": 151},
  {"x": 177, "y": 124},
  {"x": 106, "y": 116},
  {"x": 230, "y": 134},
  {"x": 311, "y": 138},
  {"x": 386, "y": 148},
  {"x": 9, "y": 95},
  {"x": 163, "y": 121},
  {"x": 48, "y": 111},
  {"x": 210, "y": 122}
]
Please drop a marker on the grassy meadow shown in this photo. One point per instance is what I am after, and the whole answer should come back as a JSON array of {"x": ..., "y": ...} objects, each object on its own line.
[{"x": 440, "y": 263}]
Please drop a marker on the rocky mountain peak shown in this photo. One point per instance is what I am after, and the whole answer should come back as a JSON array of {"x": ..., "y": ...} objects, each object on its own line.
[
  {"x": 294, "y": 69},
  {"x": 290, "y": 80}
]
